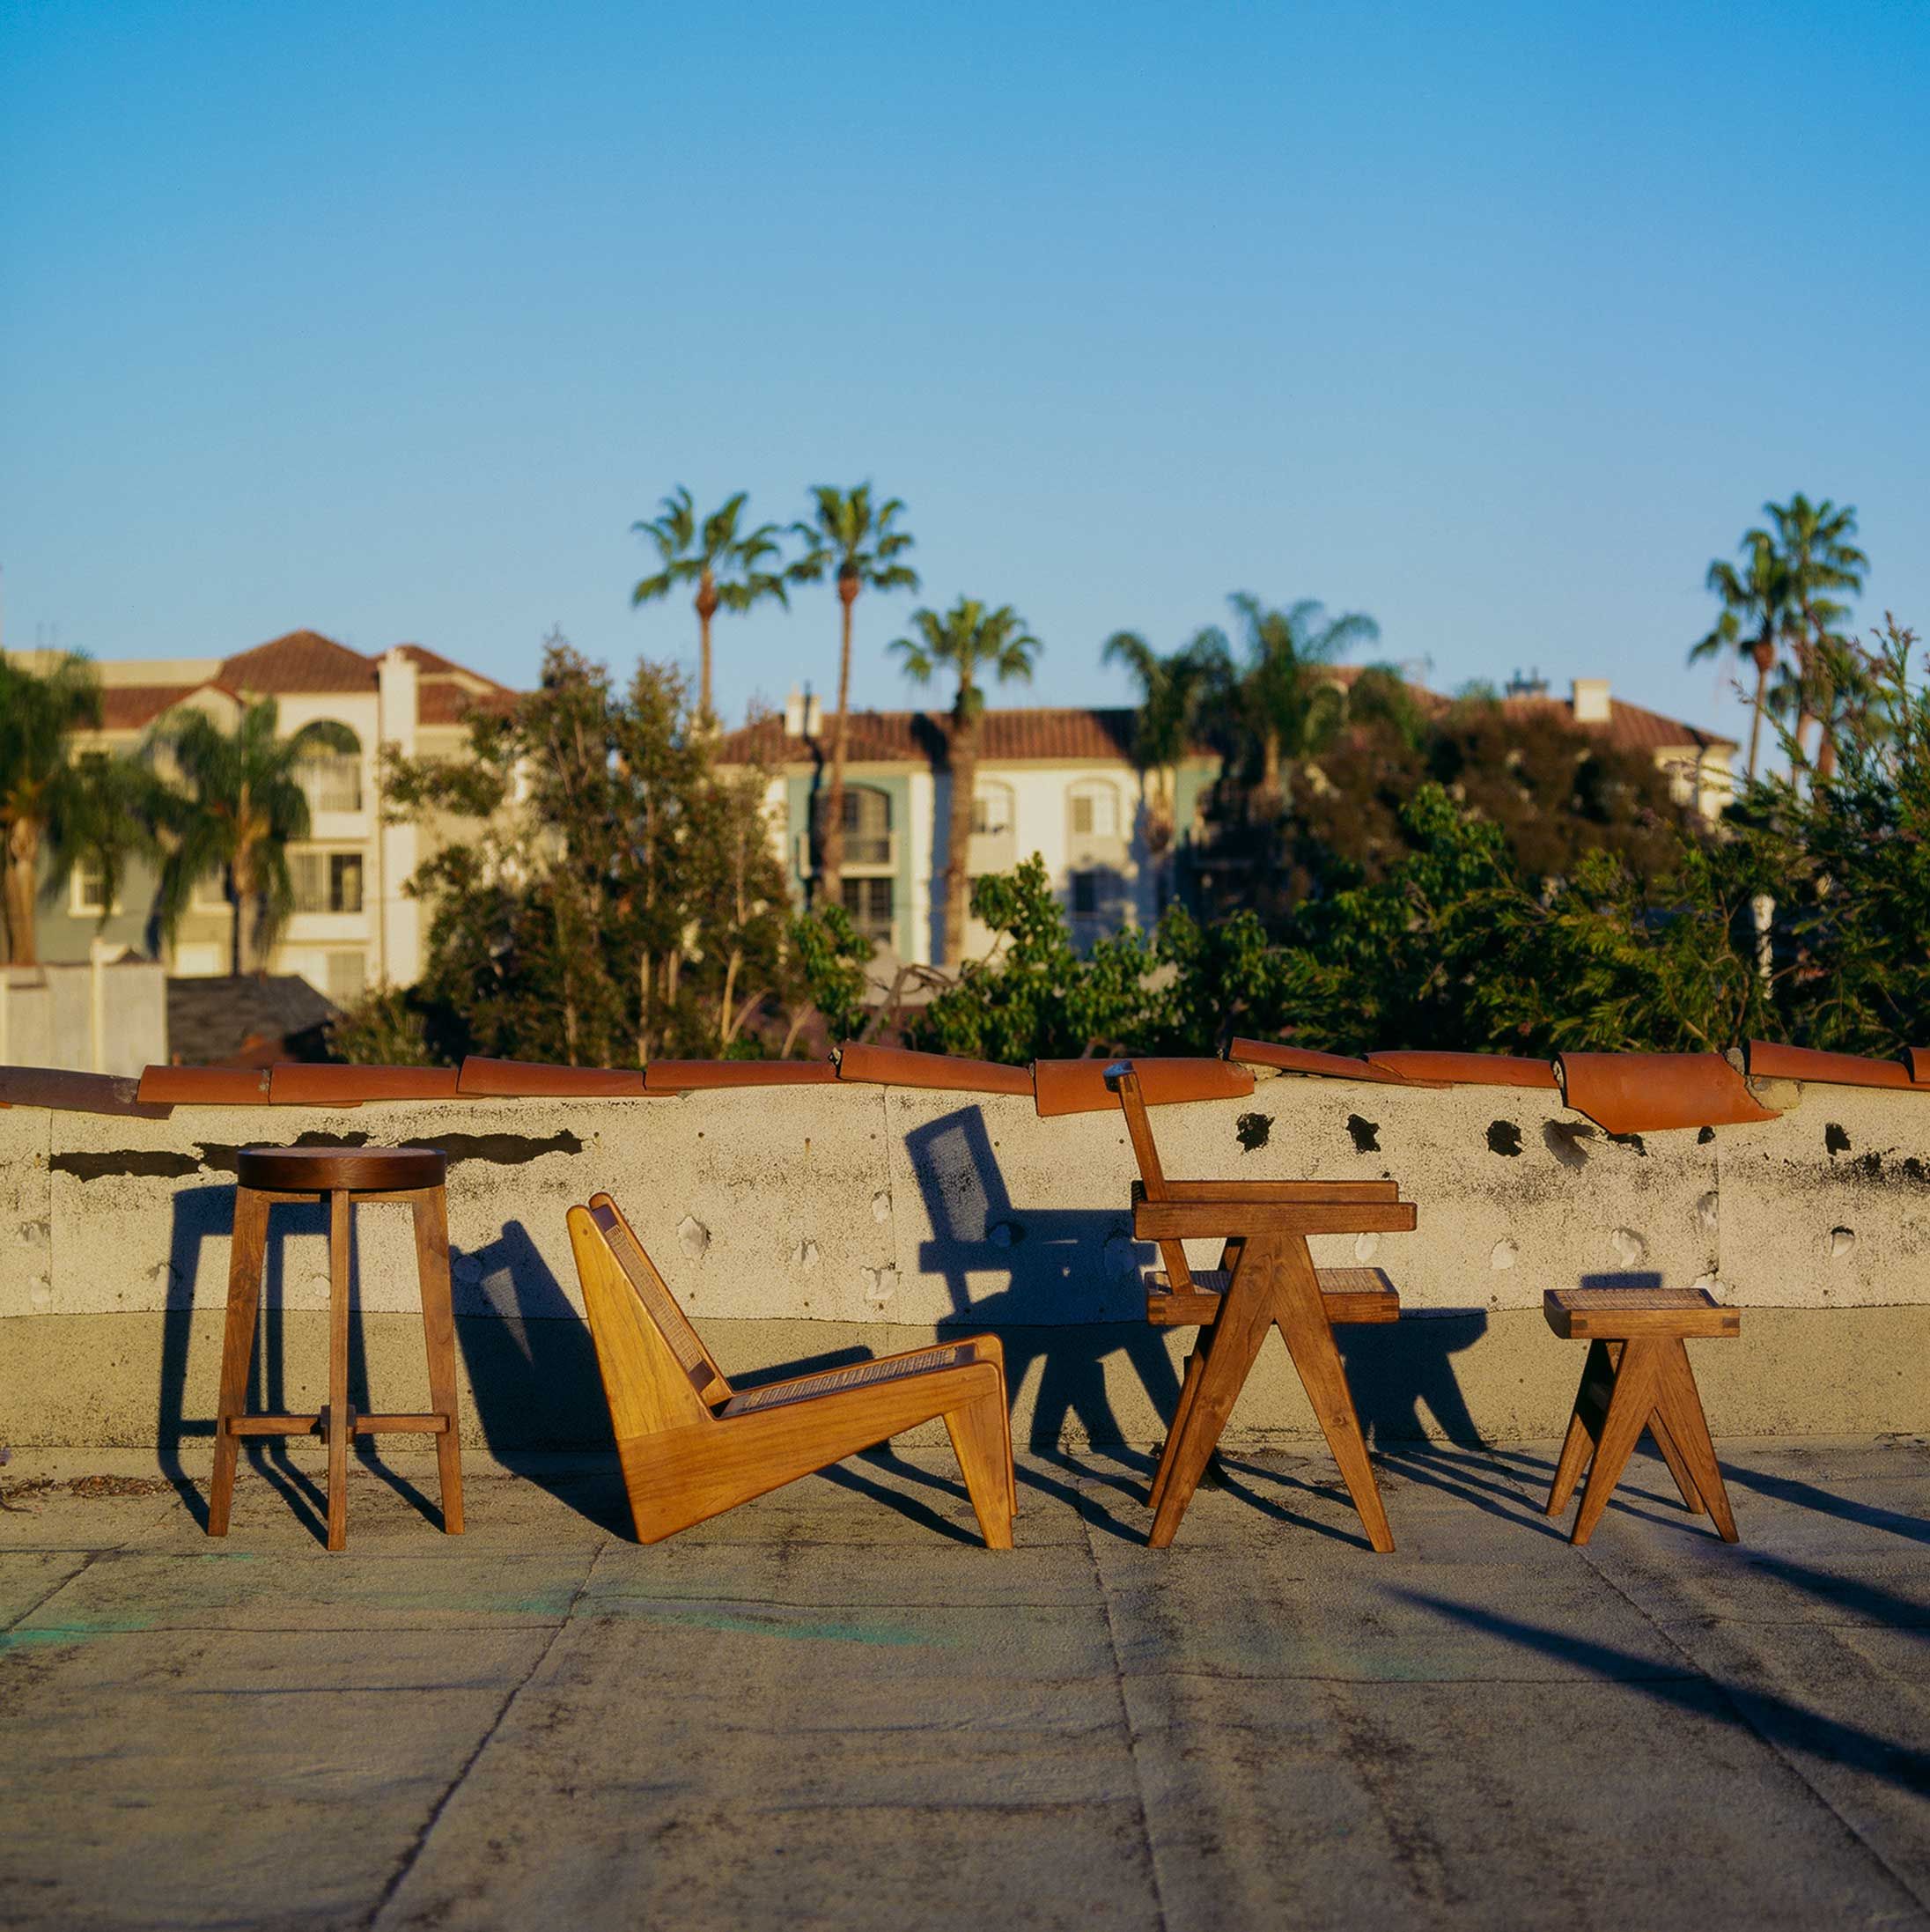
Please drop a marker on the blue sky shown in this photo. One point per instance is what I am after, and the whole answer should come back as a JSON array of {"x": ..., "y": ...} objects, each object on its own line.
[{"x": 1497, "y": 323}]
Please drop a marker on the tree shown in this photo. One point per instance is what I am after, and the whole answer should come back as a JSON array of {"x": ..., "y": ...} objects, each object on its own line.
[
  {"x": 730, "y": 569},
  {"x": 1164, "y": 722},
  {"x": 1820, "y": 562},
  {"x": 970, "y": 641},
  {"x": 850, "y": 535},
  {"x": 235, "y": 804},
  {"x": 54, "y": 807},
  {"x": 1758, "y": 609}
]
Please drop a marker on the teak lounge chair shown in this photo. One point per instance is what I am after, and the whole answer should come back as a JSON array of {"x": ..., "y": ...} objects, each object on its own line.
[
  {"x": 1266, "y": 1279},
  {"x": 691, "y": 1446}
]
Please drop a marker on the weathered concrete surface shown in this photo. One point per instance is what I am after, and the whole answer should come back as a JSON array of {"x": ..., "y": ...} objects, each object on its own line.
[
  {"x": 831, "y": 1708},
  {"x": 798, "y": 1223},
  {"x": 131, "y": 1381}
]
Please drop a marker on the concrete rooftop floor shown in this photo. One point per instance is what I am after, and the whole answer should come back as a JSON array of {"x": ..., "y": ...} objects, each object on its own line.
[{"x": 831, "y": 1707}]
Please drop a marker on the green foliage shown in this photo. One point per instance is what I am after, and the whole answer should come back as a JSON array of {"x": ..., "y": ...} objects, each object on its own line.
[
  {"x": 614, "y": 899},
  {"x": 387, "y": 1027},
  {"x": 854, "y": 539}
]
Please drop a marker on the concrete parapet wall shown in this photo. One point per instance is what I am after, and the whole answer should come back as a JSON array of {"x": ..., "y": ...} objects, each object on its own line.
[{"x": 811, "y": 1222}]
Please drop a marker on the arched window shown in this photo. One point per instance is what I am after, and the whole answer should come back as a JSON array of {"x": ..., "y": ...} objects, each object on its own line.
[
  {"x": 992, "y": 810},
  {"x": 332, "y": 780},
  {"x": 1094, "y": 809}
]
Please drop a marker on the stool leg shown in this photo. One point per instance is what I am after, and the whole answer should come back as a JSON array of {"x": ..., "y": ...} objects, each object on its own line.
[
  {"x": 1677, "y": 1402},
  {"x": 340, "y": 1222},
  {"x": 432, "y": 1214},
  {"x": 1629, "y": 1408},
  {"x": 246, "y": 1257},
  {"x": 1585, "y": 1425}
]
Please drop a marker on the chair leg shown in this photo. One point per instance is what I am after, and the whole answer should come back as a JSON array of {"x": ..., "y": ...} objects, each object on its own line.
[
  {"x": 979, "y": 1439},
  {"x": 1680, "y": 1407},
  {"x": 1629, "y": 1410},
  {"x": 1309, "y": 1339},
  {"x": 1585, "y": 1425},
  {"x": 246, "y": 1257},
  {"x": 1196, "y": 1364},
  {"x": 432, "y": 1217},
  {"x": 340, "y": 1222},
  {"x": 1678, "y": 1467},
  {"x": 1225, "y": 1359}
]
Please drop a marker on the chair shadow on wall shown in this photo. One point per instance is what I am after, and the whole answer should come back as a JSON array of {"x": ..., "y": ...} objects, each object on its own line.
[
  {"x": 1069, "y": 1301},
  {"x": 205, "y": 1214}
]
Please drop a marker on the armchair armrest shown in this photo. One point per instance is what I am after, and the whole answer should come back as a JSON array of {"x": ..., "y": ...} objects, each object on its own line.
[{"x": 1185, "y": 1220}]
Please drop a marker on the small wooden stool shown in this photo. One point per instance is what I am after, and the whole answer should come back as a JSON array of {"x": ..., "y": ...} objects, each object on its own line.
[
  {"x": 1637, "y": 1376},
  {"x": 344, "y": 1175}
]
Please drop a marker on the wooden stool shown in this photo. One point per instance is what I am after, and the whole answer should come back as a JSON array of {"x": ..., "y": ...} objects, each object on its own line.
[
  {"x": 344, "y": 1175},
  {"x": 1637, "y": 1376}
]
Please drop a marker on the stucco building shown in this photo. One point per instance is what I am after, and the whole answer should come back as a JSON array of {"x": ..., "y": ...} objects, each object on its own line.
[{"x": 352, "y": 926}]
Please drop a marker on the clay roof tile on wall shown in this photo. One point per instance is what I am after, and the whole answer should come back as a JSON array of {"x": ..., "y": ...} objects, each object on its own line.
[
  {"x": 293, "y": 1083},
  {"x": 205, "y": 1086},
  {"x": 898, "y": 1067},
  {"x": 1425, "y": 1068},
  {"x": 693, "y": 1076},
  {"x": 1078, "y": 1087},
  {"x": 1650, "y": 1093},
  {"x": 1768, "y": 1061},
  {"x": 535, "y": 1080},
  {"x": 1302, "y": 1059}
]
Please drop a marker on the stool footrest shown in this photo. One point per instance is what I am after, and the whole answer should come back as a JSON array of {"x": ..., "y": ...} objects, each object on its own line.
[{"x": 363, "y": 1425}]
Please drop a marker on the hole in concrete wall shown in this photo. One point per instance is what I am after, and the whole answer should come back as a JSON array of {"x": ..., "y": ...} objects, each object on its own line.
[
  {"x": 1563, "y": 1140},
  {"x": 1366, "y": 1134},
  {"x": 1704, "y": 1136},
  {"x": 1835, "y": 1140},
  {"x": 1252, "y": 1131},
  {"x": 1504, "y": 1137}
]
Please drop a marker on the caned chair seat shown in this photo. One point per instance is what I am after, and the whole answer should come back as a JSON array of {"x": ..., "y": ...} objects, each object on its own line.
[{"x": 1351, "y": 1297}]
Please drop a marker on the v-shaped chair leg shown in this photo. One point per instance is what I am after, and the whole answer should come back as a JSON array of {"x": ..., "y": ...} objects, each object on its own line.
[
  {"x": 1633, "y": 1401},
  {"x": 1195, "y": 1365},
  {"x": 1678, "y": 1409},
  {"x": 979, "y": 1439}
]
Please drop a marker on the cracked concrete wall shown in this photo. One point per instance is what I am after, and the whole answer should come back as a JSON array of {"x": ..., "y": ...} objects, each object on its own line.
[{"x": 810, "y": 1222}]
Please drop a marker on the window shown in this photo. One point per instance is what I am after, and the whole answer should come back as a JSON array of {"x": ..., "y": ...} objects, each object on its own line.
[
  {"x": 332, "y": 781},
  {"x": 867, "y": 826},
  {"x": 991, "y": 811},
  {"x": 1085, "y": 894},
  {"x": 868, "y": 900},
  {"x": 327, "y": 882},
  {"x": 87, "y": 890},
  {"x": 1096, "y": 811},
  {"x": 347, "y": 975}
]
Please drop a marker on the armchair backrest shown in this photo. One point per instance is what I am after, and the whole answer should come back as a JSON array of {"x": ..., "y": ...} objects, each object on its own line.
[
  {"x": 656, "y": 1370},
  {"x": 1124, "y": 1081}
]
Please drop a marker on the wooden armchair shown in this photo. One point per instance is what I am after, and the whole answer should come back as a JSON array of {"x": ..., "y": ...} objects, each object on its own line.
[
  {"x": 691, "y": 1446},
  {"x": 1266, "y": 1279}
]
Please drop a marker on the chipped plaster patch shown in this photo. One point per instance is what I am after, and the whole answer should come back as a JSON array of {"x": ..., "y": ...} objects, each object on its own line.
[
  {"x": 693, "y": 1238},
  {"x": 1840, "y": 1243},
  {"x": 1366, "y": 1247},
  {"x": 1631, "y": 1250},
  {"x": 1504, "y": 1254}
]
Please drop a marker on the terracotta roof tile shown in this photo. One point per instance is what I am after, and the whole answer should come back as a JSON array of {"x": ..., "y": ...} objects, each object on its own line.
[
  {"x": 303, "y": 660},
  {"x": 1631, "y": 727},
  {"x": 133, "y": 707},
  {"x": 434, "y": 664},
  {"x": 1101, "y": 735},
  {"x": 1650, "y": 1093},
  {"x": 1078, "y": 1087},
  {"x": 445, "y": 701}
]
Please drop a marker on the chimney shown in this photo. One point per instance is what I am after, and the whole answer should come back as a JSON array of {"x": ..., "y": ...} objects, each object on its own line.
[
  {"x": 1591, "y": 700},
  {"x": 813, "y": 714},
  {"x": 794, "y": 714}
]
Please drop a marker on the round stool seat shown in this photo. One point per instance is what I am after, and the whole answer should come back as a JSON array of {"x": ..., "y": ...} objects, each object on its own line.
[{"x": 315, "y": 1170}]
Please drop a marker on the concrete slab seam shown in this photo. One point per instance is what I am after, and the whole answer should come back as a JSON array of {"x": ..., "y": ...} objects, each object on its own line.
[{"x": 413, "y": 1855}]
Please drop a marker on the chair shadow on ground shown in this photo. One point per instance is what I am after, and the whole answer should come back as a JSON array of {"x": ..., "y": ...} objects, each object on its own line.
[
  {"x": 202, "y": 1215},
  {"x": 1065, "y": 1297}
]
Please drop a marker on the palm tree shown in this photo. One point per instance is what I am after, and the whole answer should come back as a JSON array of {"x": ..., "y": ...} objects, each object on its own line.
[
  {"x": 970, "y": 641},
  {"x": 1814, "y": 542},
  {"x": 1170, "y": 689},
  {"x": 70, "y": 810},
  {"x": 848, "y": 532},
  {"x": 1275, "y": 707},
  {"x": 730, "y": 569},
  {"x": 1759, "y": 611},
  {"x": 238, "y": 805}
]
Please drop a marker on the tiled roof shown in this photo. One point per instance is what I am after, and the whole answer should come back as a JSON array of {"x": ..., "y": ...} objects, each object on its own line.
[
  {"x": 1102, "y": 735},
  {"x": 132, "y": 707},
  {"x": 432, "y": 664},
  {"x": 303, "y": 660},
  {"x": 445, "y": 701},
  {"x": 1632, "y": 728}
]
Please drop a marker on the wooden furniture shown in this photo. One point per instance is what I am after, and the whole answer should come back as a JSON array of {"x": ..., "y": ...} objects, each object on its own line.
[
  {"x": 691, "y": 1446},
  {"x": 1637, "y": 1376},
  {"x": 1266, "y": 1279},
  {"x": 345, "y": 1177}
]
